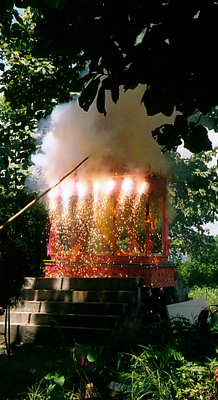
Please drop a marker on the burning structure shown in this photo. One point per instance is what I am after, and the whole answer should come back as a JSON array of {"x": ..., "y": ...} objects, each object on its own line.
[
  {"x": 110, "y": 219},
  {"x": 114, "y": 227}
]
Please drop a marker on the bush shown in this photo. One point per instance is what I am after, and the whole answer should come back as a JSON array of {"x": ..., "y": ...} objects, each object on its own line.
[
  {"x": 184, "y": 367},
  {"x": 194, "y": 272},
  {"x": 208, "y": 292},
  {"x": 200, "y": 268}
]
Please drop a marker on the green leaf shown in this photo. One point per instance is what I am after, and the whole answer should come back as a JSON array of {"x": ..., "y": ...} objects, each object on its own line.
[
  {"x": 167, "y": 137},
  {"x": 115, "y": 93},
  {"x": 101, "y": 100},
  {"x": 88, "y": 94},
  {"x": 78, "y": 84},
  {"x": 197, "y": 139},
  {"x": 59, "y": 380},
  {"x": 141, "y": 36},
  {"x": 18, "y": 17},
  {"x": 50, "y": 389},
  {"x": 91, "y": 356},
  {"x": 48, "y": 376}
]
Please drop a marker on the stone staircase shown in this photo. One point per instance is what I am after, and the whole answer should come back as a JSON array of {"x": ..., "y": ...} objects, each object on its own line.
[{"x": 65, "y": 310}]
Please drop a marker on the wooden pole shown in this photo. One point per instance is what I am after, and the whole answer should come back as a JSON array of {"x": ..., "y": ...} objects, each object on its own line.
[{"x": 41, "y": 195}]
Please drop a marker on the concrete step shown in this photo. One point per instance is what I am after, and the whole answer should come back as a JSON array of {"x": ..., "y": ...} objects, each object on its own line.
[
  {"x": 70, "y": 308},
  {"x": 76, "y": 296},
  {"x": 89, "y": 321},
  {"x": 61, "y": 335},
  {"x": 75, "y": 309},
  {"x": 82, "y": 283}
]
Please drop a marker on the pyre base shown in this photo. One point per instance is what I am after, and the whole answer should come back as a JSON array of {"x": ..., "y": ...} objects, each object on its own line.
[{"x": 153, "y": 276}]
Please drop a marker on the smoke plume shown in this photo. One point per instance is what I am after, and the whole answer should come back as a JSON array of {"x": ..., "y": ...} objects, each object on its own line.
[{"x": 122, "y": 137}]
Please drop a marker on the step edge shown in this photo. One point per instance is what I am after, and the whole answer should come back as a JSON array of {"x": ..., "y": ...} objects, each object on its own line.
[{"x": 60, "y": 327}]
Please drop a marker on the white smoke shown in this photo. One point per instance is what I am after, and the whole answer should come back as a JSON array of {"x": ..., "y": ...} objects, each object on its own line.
[{"x": 122, "y": 137}]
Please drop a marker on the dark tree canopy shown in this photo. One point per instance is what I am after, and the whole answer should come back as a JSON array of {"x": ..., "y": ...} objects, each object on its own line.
[{"x": 168, "y": 45}]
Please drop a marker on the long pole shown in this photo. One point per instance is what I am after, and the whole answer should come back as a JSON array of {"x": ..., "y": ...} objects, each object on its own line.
[{"x": 41, "y": 195}]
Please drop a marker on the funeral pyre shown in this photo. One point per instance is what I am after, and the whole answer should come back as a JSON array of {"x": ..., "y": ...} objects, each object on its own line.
[{"x": 110, "y": 219}]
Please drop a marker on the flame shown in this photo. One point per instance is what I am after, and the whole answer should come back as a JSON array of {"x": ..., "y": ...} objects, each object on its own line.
[
  {"x": 142, "y": 187},
  {"x": 54, "y": 193},
  {"x": 53, "y": 204},
  {"x": 66, "y": 191},
  {"x": 127, "y": 185},
  {"x": 96, "y": 189},
  {"x": 81, "y": 188},
  {"x": 105, "y": 186},
  {"x": 53, "y": 198},
  {"x": 108, "y": 186}
]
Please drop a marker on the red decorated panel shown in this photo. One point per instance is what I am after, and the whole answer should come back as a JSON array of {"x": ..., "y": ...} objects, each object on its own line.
[{"x": 153, "y": 276}]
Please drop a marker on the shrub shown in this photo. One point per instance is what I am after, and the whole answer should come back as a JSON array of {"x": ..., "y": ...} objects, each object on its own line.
[
  {"x": 201, "y": 267},
  {"x": 183, "y": 367},
  {"x": 195, "y": 272},
  {"x": 207, "y": 292},
  {"x": 166, "y": 375}
]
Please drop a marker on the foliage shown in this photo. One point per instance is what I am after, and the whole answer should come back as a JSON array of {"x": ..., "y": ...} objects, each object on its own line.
[
  {"x": 166, "y": 375},
  {"x": 167, "y": 369},
  {"x": 201, "y": 267},
  {"x": 18, "y": 119},
  {"x": 196, "y": 272},
  {"x": 22, "y": 248},
  {"x": 53, "y": 389},
  {"x": 141, "y": 42},
  {"x": 193, "y": 197},
  {"x": 15, "y": 148},
  {"x": 13, "y": 267},
  {"x": 207, "y": 292},
  {"x": 27, "y": 367},
  {"x": 36, "y": 84},
  {"x": 180, "y": 364},
  {"x": 32, "y": 86},
  {"x": 174, "y": 355},
  {"x": 30, "y": 230}
]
